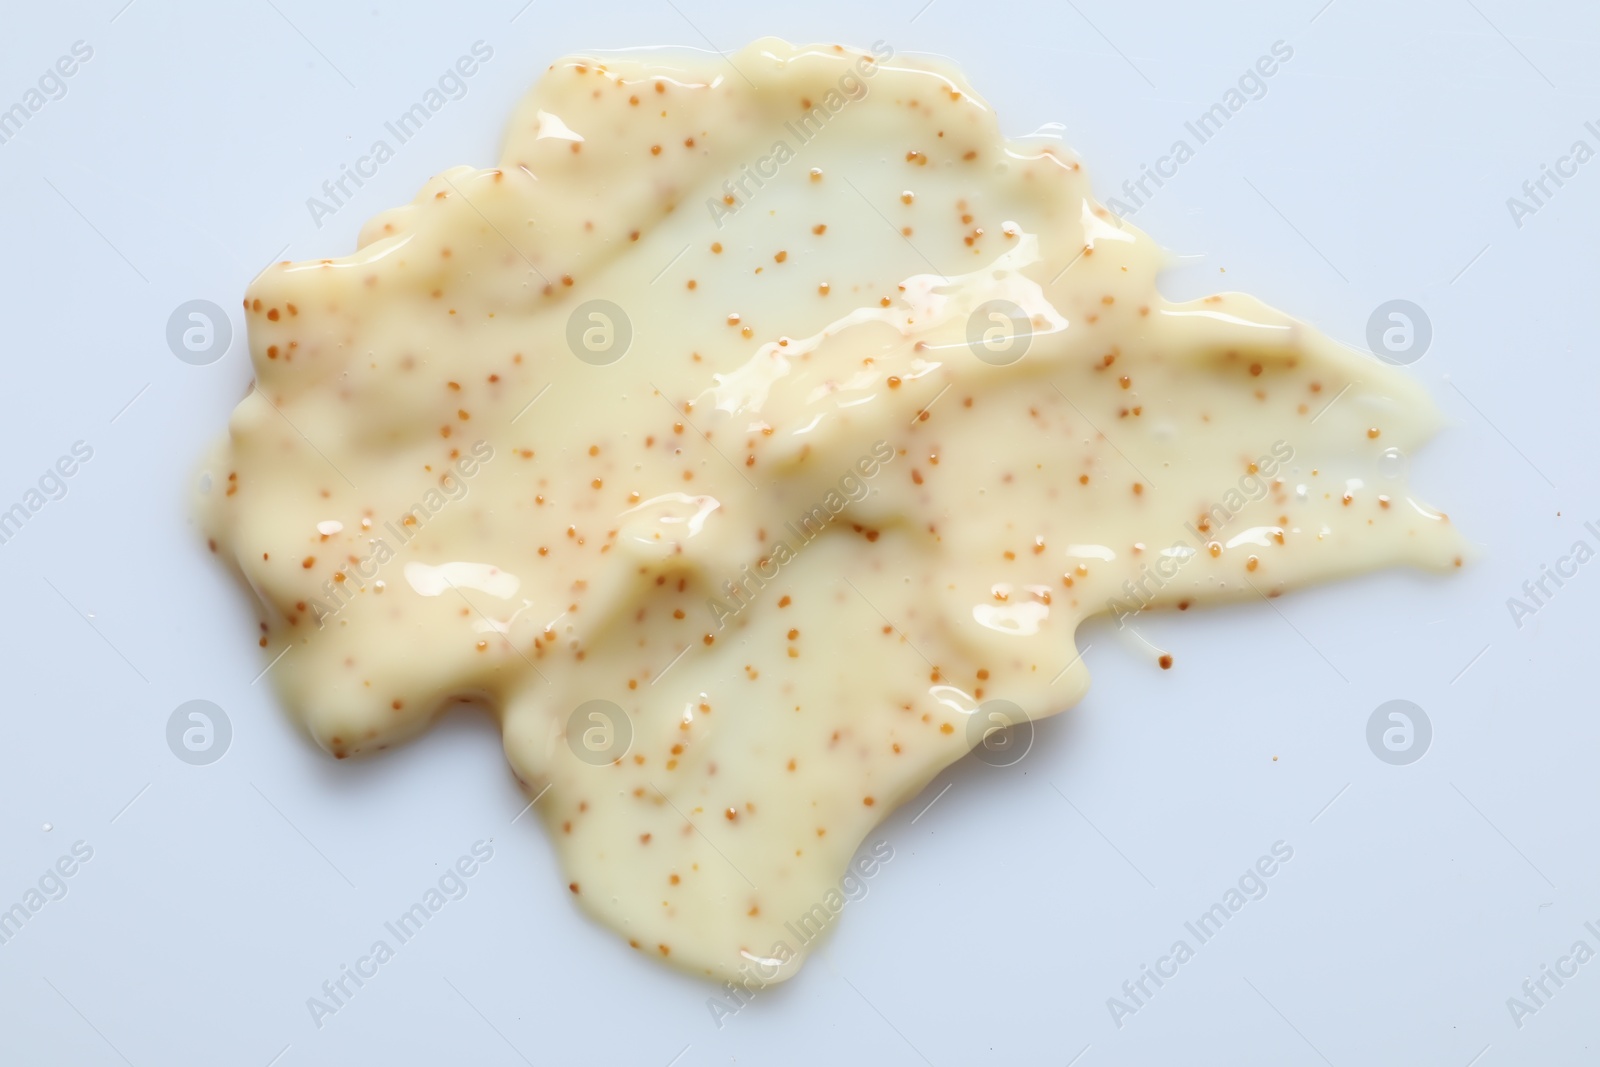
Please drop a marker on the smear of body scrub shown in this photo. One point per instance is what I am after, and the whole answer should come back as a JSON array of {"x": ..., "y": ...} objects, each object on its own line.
[{"x": 753, "y": 439}]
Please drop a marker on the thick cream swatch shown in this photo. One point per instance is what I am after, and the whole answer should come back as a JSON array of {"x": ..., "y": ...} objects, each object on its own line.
[{"x": 753, "y": 439}]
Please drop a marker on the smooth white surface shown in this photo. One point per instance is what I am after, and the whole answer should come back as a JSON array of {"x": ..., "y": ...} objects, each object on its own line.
[{"x": 226, "y": 894}]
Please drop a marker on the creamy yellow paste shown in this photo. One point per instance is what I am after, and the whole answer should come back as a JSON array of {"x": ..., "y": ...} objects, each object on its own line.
[{"x": 752, "y": 440}]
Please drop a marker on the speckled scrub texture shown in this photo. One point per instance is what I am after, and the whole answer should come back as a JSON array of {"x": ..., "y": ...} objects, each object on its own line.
[{"x": 744, "y": 439}]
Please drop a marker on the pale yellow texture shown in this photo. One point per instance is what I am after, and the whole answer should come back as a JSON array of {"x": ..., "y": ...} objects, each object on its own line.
[{"x": 1016, "y": 501}]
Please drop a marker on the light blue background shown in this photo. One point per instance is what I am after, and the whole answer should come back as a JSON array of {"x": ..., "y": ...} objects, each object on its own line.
[{"x": 1377, "y": 166}]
